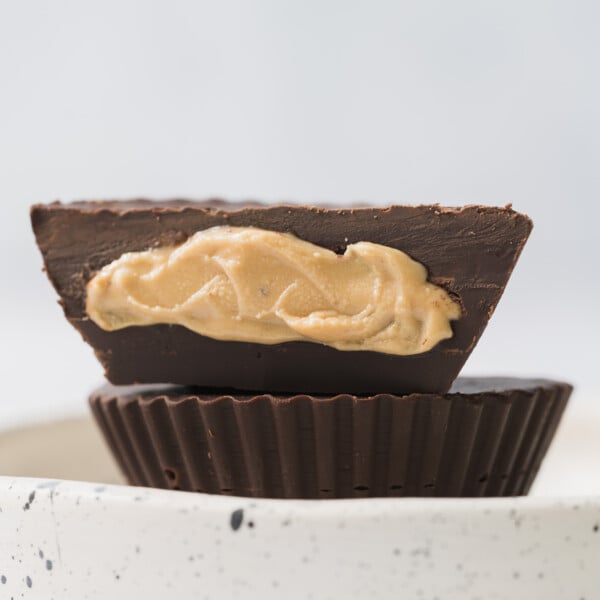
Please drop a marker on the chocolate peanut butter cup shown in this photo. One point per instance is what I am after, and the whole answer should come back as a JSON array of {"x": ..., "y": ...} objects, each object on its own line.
[
  {"x": 487, "y": 437},
  {"x": 300, "y": 331}
]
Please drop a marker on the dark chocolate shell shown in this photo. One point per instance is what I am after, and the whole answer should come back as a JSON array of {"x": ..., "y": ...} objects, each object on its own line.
[{"x": 487, "y": 437}]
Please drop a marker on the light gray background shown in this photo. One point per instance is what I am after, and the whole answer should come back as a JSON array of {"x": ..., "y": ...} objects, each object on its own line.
[{"x": 450, "y": 102}]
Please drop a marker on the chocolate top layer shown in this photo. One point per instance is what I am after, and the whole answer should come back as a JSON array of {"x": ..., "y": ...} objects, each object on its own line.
[
  {"x": 463, "y": 386},
  {"x": 468, "y": 251}
]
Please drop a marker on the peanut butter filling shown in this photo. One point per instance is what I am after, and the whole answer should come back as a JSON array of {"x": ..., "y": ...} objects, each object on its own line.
[{"x": 252, "y": 285}]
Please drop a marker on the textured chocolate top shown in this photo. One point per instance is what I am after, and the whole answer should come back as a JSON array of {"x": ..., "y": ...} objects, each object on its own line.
[{"x": 473, "y": 387}]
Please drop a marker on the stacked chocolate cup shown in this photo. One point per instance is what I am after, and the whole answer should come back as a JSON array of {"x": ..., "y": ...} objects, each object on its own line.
[{"x": 297, "y": 351}]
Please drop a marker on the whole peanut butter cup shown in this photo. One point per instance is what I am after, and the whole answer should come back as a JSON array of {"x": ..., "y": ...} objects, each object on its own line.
[{"x": 486, "y": 437}]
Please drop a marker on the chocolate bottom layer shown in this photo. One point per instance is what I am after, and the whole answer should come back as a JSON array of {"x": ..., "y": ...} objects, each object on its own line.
[{"x": 487, "y": 437}]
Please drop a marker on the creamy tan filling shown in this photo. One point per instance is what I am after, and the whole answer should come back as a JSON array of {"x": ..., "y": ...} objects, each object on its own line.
[{"x": 251, "y": 285}]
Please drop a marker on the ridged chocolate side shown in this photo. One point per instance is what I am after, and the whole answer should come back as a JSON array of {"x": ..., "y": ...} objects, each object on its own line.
[{"x": 458, "y": 444}]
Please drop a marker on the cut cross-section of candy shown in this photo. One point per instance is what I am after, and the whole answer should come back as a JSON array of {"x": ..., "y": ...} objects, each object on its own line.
[{"x": 467, "y": 255}]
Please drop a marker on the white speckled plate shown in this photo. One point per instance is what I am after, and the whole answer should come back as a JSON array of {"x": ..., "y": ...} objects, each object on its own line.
[
  {"x": 74, "y": 540},
  {"x": 79, "y": 540}
]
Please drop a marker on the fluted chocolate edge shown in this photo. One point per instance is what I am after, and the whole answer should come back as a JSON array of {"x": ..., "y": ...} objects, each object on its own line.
[{"x": 484, "y": 443}]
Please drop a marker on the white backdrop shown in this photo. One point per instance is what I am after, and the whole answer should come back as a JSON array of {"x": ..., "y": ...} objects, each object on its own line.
[{"x": 450, "y": 102}]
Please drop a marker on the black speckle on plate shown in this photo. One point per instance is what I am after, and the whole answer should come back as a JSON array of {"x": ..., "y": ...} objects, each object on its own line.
[
  {"x": 28, "y": 504},
  {"x": 237, "y": 516}
]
